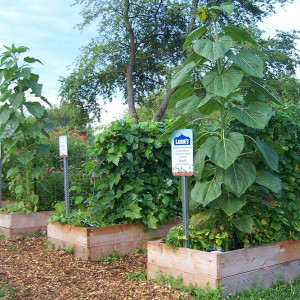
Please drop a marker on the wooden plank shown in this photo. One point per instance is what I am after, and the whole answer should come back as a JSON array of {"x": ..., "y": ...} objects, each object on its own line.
[
  {"x": 248, "y": 259},
  {"x": 14, "y": 232},
  {"x": 5, "y": 220},
  {"x": 79, "y": 250},
  {"x": 263, "y": 277},
  {"x": 30, "y": 219},
  {"x": 68, "y": 233},
  {"x": 153, "y": 271},
  {"x": 186, "y": 260},
  {"x": 6, "y": 232}
]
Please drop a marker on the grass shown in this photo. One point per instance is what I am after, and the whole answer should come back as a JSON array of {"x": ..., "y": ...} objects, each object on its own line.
[
  {"x": 136, "y": 275},
  {"x": 69, "y": 250},
  {"x": 282, "y": 291},
  {"x": 2, "y": 236},
  {"x": 110, "y": 258},
  {"x": 7, "y": 291}
]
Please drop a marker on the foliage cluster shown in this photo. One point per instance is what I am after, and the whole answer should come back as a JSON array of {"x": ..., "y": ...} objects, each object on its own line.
[
  {"x": 236, "y": 168},
  {"x": 21, "y": 136},
  {"x": 131, "y": 178},
  {"x": 132, "y": 173}
]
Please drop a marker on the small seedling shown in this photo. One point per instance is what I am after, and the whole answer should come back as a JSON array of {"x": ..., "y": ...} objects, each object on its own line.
[
  {"x": 2, "y": 236},
  {"x": 15, "y": 249},
  {"x": 110, "y": 258},
  {"x": 136, "y": 275},
  {"x": 51, "y": 245},
  {"x": 69, "y": 250}
]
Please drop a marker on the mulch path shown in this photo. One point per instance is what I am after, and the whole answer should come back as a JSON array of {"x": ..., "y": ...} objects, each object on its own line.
[{"x": 29, "y": 269}]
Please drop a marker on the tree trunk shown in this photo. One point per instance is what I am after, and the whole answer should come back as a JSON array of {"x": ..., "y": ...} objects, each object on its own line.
[
  {"x": 164, "y": 105},
  {"x": 131, "y": 63}
]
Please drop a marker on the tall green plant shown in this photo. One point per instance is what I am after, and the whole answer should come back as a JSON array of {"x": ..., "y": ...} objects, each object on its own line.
[
  {"x": 20, "y": 135},
  {"x": 218, "y": 80}
]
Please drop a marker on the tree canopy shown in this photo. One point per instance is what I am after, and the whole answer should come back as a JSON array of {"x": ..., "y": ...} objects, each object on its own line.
[{"x": 138, "y": 46}]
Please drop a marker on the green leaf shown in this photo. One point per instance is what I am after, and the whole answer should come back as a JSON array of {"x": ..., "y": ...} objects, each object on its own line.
[
  {"x": 223, "y": 152},
  {"x": 199, "y": 162},
  {"x": 239, "y": 176},
  {"x": 205, "y": 100},
  {"x": 19, "y": 189},
  {"x": 268, "y": 153},
  {"x": 36, "y": 172},
  {"x": 13, "y": 122},
  {"x": 247, "y": 62},
  {"x": 239, "y": 35},
  {"x": 183, "y": 75},
  {"x": 31, "y": 60},
  {"x": 5, "y": 113},
  {"x": 181, "y": 93},
  {"x": 25, "y": 157},
  {"x": 245, "y": 223},
  {"x": 222, "y": 84},
  {"x": 209, "y": 107},
  {"x": 200, "y": 217},
  {"x": 132, "y": 211},
  {"x": 255, "y": 115},
  {"x": 36, "y": 109},
  {"x": 207, "y": 191},
  {"x": 194, "y": 34},
  {"x": 12, "y": 172},
  {"x": 231, "y": 204},
  {"x": 264, "y": 91},
  {"x": 213, "y": 50},
  {"x": 16, "y": 100},
  {"x": 189, "y": 104},
  {"x": 269, "y": 181},
  {"x": 177, "y": 124},
  {"x": 79, "y": 199},
  {"x": 152, "y": 221}
]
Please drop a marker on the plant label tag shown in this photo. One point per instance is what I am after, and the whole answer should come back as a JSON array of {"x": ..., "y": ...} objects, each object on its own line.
[
  {"x": 63, "y": 146},
  {"x": 182, "y": 152}
]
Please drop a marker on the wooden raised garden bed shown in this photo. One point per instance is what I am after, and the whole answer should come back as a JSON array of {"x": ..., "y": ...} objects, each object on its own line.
[
  {"x": 12, "y": 224},
  {"x": 101, "y": 241},
  {"x": 236, "y": 270}
]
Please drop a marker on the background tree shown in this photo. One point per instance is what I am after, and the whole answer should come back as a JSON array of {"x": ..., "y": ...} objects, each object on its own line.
[
  {"x": 137, "y": 47},
  {"x": 68, "y": 115}
]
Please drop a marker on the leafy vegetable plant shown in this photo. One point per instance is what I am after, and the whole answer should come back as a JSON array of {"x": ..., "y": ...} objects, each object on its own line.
[{"x": 21, "y": 135}]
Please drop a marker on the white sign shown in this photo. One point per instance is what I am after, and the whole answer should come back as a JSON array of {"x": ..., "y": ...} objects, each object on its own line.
[
  {"x": 182, "y": 152},
  {"x": 63, "y": 146}
]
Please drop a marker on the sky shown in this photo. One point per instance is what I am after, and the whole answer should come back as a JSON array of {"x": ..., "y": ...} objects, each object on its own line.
[{"x": 47, "y": 29}]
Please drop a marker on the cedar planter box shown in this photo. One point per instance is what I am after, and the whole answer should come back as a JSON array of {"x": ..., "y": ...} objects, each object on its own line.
[
  {"x": 12, "y": 224},
  {"x": 236, "y": 270},
  {"x": 101, "y": 241}
]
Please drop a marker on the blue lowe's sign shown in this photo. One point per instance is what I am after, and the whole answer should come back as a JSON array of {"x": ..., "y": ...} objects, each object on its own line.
[
  {"x": 182, "y": 140},
  {"x": 182, "y": 152}
]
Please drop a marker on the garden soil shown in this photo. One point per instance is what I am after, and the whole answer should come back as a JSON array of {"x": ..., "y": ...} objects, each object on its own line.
[{"x": 30, "y": 269}]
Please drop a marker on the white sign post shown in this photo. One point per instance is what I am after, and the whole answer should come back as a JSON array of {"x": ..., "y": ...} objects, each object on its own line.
[
  {"x": 63, "y": 152},
  {"x": 183, "y": 165}
]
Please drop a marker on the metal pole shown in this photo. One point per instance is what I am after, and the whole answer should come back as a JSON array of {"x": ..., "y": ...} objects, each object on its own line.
[
  {"x": 34, "y": 179},
  {"x": 185, "y": 213},
  {"x": 66, "y": 177}
]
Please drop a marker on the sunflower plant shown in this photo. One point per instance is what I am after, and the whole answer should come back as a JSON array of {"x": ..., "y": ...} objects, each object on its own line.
[{"x": 218, "y": 84}]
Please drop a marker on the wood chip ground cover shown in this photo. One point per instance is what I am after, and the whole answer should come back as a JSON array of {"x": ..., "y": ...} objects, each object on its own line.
[{"x": 29, "y": 269}]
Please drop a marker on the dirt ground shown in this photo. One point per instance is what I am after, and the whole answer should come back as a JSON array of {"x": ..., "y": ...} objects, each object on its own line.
[{"x": 29, "y": 269}]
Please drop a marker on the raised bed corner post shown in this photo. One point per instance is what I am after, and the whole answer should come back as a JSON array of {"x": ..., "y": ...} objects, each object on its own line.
[
  {"x": 183, "y": 165},
  {"x": 63, "y": 152}
]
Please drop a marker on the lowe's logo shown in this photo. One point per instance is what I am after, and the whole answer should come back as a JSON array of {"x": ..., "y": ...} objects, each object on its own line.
[{"x": 182, "y": 140}]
